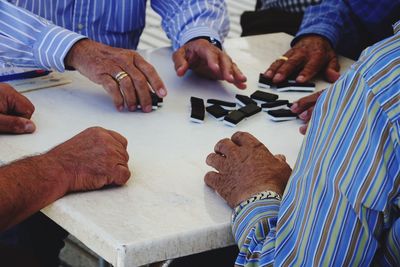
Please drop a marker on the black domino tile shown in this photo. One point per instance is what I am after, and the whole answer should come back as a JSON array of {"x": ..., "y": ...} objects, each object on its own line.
[
  {"x": 198, "y": 109},
  {"x": 245, "y": 100},
  {"x": 225, "y": 104},
  {"x": 250, "y": 110},
  {"x": 264, "y": 96},
  {"x": 233, "y": 118}
]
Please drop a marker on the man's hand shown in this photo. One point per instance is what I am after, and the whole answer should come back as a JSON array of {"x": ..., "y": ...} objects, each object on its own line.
[
  {"x": 304, "y": 107},
  {"x": 208, "y": 61},
  {"x": 92, "y": 159},
  {"x": 311, "y": 54},
  {"x": 101, "y": 64},
  {"x": 15, "y": 111},
  {"x": 245, "y": 167}
]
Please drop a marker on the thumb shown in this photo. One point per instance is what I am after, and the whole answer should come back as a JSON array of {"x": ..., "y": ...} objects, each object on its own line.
[
  {"x": 280, "y": 157},
  {"x": 332, "y": 70},
  {"x": 181, "y": 64},
  {"x": 15, "y": 125}
]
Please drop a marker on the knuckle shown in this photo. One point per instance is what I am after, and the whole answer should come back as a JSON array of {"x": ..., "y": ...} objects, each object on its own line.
[{"x": 139, "y": 80}]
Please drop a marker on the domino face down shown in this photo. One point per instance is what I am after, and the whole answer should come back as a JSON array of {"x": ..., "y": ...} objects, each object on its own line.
[
  {"x": 250, "y": 110},
  {"x": 281, "y": 115},
  {"x": 224, "y": 104},
  {"x": 236, "y": 116},
  {"x": 233, "y": 118},
  {"x": 244, "y": 100},
  {"x": 263, "y": 96},
  {"x": 217, "y": 111},
  {"x": 289, "y": 85},
  {"x": 197, "y": 113},
  {"x": 278, "y": 104}
]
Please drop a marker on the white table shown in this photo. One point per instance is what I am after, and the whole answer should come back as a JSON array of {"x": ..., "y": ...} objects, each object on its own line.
[{"x": 165, "y": 210}]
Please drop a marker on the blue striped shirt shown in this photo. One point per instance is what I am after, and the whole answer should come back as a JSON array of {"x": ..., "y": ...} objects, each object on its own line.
[
  {"x": 341, "y": 206},
  {"x": 351, "y": 25},
  {"x": 293, "y": 6},
  {"x": 42, "y": 40}
]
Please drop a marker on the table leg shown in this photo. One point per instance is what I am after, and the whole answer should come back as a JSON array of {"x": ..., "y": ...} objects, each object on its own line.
[{"x": 103, "y": 263}]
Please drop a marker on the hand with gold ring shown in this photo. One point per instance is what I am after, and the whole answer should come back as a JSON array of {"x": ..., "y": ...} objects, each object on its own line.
[
  {"x": 310, "y": 55},
  {"x": 123, "y": 73}
]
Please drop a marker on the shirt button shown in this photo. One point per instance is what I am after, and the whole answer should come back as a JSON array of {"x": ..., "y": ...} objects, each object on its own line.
[{"x": 80, "y": 26}]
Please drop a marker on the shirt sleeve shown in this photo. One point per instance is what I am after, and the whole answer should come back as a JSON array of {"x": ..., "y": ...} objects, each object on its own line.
[
  {"x": 184, "y": 20},
  {"x": 326, "y": 19},
  {"x": 27, "y": 40},
  {"x": 254, "y": 229}
]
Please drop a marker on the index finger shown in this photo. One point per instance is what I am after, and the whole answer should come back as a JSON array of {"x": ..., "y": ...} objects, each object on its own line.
[
  {"x": 23, "y": 107},
  {"x": 180, "y": 62},
  {"x": 312, "y": 67},
  {"x": 119, "y": 138},
  {"x": 305, "y": 103},
  {"x": 151, "y": 75},
  {"x": 225, "y": 147},
  {"x": 244, "y": 139},
  {"x": 17, "y": 104}
]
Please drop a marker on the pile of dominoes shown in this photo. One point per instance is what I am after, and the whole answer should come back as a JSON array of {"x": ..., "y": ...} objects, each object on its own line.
[{"x": 277, "y": 109}]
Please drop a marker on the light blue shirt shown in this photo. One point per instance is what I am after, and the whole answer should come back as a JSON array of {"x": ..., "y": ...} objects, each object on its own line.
[{"x": 43, "y": 40}]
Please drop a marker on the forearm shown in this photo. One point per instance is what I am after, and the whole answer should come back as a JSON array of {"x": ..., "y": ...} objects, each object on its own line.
[
  {"x": 27, "y": 40},
  {"x": 28, "y": 185},
  {"x": 184, "y": 20},
  {"x": 254, "y": 228}
]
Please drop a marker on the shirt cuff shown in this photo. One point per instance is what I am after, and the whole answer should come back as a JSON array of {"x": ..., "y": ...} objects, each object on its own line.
[
  {"x": 248, "y": 216},
  {"x": 53, "y": 45},
  {"x": 195, "y": 32},
  {"x": 330, "y": 34}
]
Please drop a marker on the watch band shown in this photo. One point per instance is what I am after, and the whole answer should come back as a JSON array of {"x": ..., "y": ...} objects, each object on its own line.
[
  {"x": 268, "y": 194},
  {"x": 212, "y": 41}
]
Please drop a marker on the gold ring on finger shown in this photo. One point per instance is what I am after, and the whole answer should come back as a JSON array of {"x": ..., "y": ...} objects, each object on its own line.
[
  {"x": 120, "y": 75},
  {"x": 283, "y": 58}
]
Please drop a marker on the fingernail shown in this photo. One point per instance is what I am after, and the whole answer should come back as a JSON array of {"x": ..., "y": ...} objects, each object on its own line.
[
  {"x": 120, "y": 108},
  {"x": 303, "y": 129},
  {"x": 29, "y": 127},
  {"x": 278, "y": 76},
  {"x": 216, "y": 66},
  {"x": 300, "y": 78},
  {"x": 269, "y": 74},
  {"x": 132, "y": 108},
  {"x": 303, "y": 115},
  {"x": 231, "y": 78},
  {"x": 147, "y": 108},
  {"x": 162, "y": 92},
  {"x": 294, "y": 107}
]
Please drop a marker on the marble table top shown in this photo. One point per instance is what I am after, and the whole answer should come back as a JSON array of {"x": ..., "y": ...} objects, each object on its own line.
[{"x": 165, "y": 210}]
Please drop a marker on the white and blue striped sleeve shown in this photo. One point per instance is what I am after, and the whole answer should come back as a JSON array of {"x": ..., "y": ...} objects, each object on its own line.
[
  {"x": 185, "y": 20},
  {"x": 27, "y": 40}
]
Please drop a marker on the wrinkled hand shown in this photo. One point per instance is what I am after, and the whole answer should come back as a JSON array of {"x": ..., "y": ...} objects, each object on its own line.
[
  {"x": 101, "y": 63},
  {"x": 245, "y": 167},
  {"x": 305, "y": 107},
  {"x": 208, "y": 61},
  {"x": 311, "y": 54},
  {"x": 15, "y": 111},
  {"x": 92, "y": 159}
]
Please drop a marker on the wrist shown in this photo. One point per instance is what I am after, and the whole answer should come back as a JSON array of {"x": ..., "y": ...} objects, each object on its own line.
[
  {"x": 50, "y": 169},
  {"x": 76, "y": 51},
  {"x": 211, "y": 40},
  {"x": 321, "y": 38}
]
